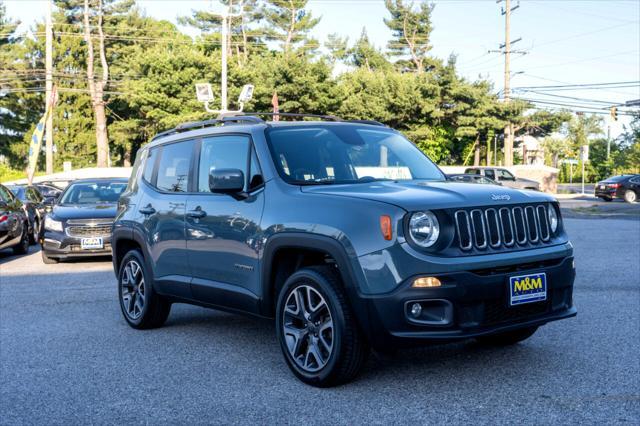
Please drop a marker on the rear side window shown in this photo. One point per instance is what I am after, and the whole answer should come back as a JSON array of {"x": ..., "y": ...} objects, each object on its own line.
[
  {"x": 174, "y": 167},
  {"x": 490, "y": 174},
  {"x": 472, "y": 172},
  {"x": 136, "y": 171},
  {"x": 222, "y": 152},
  {"x": 149, "y": 164}
]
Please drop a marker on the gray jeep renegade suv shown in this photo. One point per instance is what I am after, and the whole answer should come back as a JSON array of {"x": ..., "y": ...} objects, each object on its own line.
[{"x": 343, "y": 232}]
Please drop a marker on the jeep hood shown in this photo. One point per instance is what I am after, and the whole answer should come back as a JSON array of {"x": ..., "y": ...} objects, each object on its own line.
[{"x": 416, "y": 195}]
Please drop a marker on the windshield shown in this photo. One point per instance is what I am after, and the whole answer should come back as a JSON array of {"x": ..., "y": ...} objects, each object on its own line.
[
  {"x": 346, "y": 154},
  {"x": 93, "y": 193}
]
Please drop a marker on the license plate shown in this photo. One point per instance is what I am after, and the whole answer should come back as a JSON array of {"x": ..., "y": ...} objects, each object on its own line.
[
  {"x": 527, "y": 288},
  {"x": 91, "y": 243}
]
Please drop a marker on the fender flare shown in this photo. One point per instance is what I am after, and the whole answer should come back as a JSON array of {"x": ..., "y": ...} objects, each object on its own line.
[
  {"x": 331, "y": 246},
  {"x": 130, "y": 234}
]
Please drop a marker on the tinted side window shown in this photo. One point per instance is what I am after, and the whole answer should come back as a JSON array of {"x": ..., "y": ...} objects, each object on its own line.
[
  {"x": 490, "y": 174},
  {"x": 222, "y": 152},
  {"x": 174, "y": 167},
  {"x": 4, "y": 195},
  {"x": 504, "y": 174}
]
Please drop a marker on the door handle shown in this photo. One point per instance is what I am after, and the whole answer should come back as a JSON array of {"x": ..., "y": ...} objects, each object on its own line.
[
  {"x": 198, "y": 213},
  {"x": 147, "y": 210}
]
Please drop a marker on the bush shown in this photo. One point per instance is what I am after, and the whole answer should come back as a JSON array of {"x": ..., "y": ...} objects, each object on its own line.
[{"x": 9, "y": 174}]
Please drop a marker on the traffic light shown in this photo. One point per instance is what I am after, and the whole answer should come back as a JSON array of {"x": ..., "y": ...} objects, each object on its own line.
[{"x": 613, "y": 113}]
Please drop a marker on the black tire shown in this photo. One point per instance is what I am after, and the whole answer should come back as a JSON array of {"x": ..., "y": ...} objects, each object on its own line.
[
  {"x": 508, "y": 338},
  {"x": 155, "y": 308},
  {"x": 23, "y": 245},
  {"x": 630, "y": 196},
  {"x": 35, "y": 233},
  {"x": 48, "y": 260},
  {"x": 349, "y": 349},
  {"x": 607, "y": 199}
]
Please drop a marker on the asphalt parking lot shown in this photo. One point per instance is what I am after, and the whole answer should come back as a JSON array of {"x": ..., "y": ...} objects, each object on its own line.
[{"x": 67, "y": 357}]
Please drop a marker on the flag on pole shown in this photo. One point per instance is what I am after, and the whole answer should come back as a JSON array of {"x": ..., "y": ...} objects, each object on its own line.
[
  {"x": 35, "y": 145},
  {"x": 276, "y": 106}
]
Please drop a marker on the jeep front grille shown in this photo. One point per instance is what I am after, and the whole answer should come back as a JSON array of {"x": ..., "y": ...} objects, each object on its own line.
[{"x": 481, "y": 228}]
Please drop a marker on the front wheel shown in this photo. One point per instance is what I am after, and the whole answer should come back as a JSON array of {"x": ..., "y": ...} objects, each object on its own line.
[
  {"x": 23, "y": 245},
  {"x": 35, "y": 232},
  {"x": 317, "y": 330},
  {"x": 141, "y": 306},
  {"x": 630, "y": 196},
  {"x": 508, "y": 337}
]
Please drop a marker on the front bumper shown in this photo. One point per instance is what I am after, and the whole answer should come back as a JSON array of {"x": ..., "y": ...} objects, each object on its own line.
[
  {"x": 59, "y": 245},
  {"x": 477, "y": 304}
]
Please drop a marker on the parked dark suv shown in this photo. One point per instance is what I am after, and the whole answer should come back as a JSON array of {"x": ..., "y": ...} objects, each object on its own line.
[{"x": 344, "y": 232}]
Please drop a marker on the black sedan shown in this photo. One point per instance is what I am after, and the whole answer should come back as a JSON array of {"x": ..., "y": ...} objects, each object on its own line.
[
  {"x": 34, "y": 206},
  {"x": 80, "y": 223},
  {"x": 626, "y": 187},
  {"x": 48, "y": 190},
  {"x": 14, "y": 225}
]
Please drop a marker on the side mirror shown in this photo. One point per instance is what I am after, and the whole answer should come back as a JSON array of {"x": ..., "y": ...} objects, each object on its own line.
[{"x": 226, "y": 181}]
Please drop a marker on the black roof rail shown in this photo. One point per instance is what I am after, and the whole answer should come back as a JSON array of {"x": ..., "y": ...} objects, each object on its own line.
[
  {"x": 372, "y": 122},
  {"x": 253, "y": 117},
  {"x": 231, "y": 119},
  {"x": 295, "y": 114}
]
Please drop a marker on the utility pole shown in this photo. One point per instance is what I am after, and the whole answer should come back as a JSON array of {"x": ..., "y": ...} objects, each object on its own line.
[
  {"x": 508, "y": 130},
  {"x": 49, "y": 88}
]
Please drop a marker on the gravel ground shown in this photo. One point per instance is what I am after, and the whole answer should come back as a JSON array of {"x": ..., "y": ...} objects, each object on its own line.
[{"x": 67, "y": 357}]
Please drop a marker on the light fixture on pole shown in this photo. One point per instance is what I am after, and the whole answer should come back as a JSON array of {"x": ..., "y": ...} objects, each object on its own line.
[{"x": 204, "y": 94}]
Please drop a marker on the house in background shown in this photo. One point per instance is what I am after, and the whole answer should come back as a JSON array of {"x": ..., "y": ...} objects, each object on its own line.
[{"x": 531, "y": 150}]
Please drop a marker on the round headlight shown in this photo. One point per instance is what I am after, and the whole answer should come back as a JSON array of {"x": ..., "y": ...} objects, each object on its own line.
[
  {"x": 553, "y": 218},
  {"x": 424, "y": 228}
]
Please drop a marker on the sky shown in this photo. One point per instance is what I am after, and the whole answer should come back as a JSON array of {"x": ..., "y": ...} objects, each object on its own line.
[{"x": 566, "y": 41}]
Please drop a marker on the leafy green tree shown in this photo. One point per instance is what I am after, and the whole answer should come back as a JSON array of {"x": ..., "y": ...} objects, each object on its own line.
[
  {"x": 289, "y": 22},
  {"x": 411, "y": 30}
]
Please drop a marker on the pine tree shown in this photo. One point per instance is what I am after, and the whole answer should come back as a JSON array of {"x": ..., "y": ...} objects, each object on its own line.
[
  {"x": 244, "y": 33},
  {"x": 411, "y": 31},
  {"x": 364, "y": 54},
  {"x": 290, "y": 23}
]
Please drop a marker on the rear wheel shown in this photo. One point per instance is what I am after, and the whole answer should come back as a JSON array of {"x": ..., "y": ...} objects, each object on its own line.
[
  {"x": 317, "y": 330},
  {"x": 607, "y": 199},
  {"x": 508, "y": 338},
  {"x": 23, "y": 245},
  {"x": 141, "y": 306},
  {"x": 630, "y": 196}
]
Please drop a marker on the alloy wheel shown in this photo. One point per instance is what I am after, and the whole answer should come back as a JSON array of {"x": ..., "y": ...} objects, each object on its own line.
[
  {"x": 308, "y": 328},
  {"x": 132, "y": 289}
]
